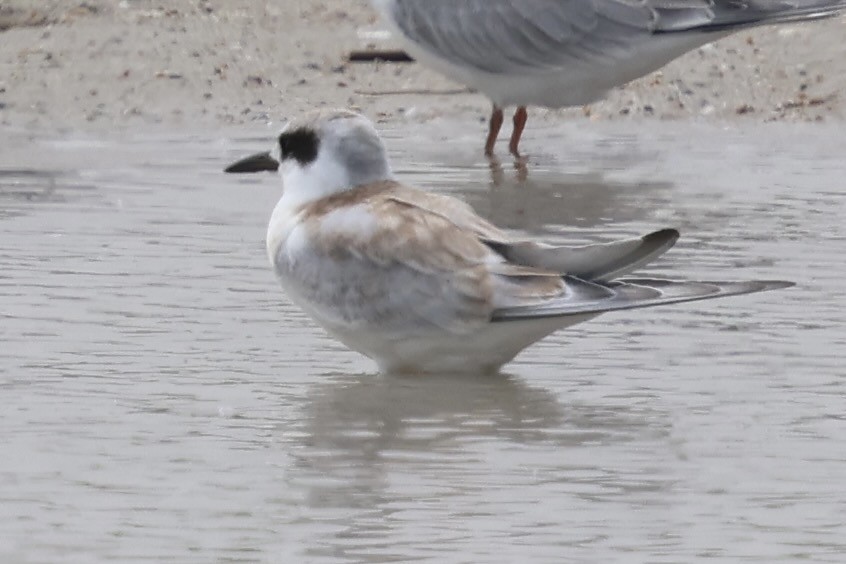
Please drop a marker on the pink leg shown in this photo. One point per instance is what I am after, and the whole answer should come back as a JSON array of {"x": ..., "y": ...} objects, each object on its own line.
[
  {"x": 493, "y": 129},
  {"x": 520, "y": 117}
]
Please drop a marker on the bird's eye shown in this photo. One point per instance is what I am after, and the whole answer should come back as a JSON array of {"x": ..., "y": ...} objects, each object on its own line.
[{"x": 300, "y": 144}]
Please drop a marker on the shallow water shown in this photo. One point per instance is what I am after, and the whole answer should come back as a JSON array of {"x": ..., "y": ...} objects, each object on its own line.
[{"x": 163, "y": 402}]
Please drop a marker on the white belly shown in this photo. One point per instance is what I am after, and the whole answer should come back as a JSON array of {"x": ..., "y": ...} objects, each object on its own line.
[
  {"x": 574, "y": 85},
  {"x": 482, "y": 351}
]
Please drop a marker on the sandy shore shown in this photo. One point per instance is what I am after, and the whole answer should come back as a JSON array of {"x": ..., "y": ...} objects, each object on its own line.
[{"x": 106, "y": 64}]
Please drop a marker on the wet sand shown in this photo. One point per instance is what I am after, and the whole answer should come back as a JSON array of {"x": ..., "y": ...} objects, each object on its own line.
[{"x": 109, "y": 65}]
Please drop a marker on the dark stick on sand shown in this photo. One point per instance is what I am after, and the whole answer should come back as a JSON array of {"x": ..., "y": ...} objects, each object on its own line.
[{"x": 372, "y": 55}]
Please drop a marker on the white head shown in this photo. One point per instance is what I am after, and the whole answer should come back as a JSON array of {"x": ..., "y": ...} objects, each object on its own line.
[{"x": 328, "y": 152}]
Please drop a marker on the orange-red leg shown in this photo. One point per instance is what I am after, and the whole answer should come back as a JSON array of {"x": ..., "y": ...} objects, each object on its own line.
[
  {"x": 493, "y": 129},
  {"x": 520, "y": 117}
]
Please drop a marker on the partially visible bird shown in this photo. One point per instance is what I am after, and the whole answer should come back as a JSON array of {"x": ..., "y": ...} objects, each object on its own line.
[
  {"x": 418, "y": 281},
  {"x": 560, "y": 53}
]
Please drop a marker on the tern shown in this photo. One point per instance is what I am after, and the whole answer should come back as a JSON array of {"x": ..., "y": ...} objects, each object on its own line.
[
  {"x": 561, "y": 53},
  {"x": 420, "y": 283}
]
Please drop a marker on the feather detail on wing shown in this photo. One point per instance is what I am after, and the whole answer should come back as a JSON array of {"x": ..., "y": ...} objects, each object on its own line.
[
  {"x": 591, "y": 262},
  {"x": 406, "y": 255},
  {"x": 455, "y": 211},
  {"x": 728, "y": 15},
  {"x": 507, "y": 36},
  {"x": 531, "y": 36},
  {"x": 402, "y": 255},
  {"x": 583, "y": 297}
]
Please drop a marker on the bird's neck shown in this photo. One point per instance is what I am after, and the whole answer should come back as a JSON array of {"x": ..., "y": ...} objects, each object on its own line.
[
  {"x": 303, "y": 185},
  {"x": 326, "y": 177}
]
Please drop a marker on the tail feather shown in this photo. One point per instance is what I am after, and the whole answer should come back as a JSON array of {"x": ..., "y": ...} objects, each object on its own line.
[
  {"x": 583, "y": 297},
  {"x": 591, "y": 262}
]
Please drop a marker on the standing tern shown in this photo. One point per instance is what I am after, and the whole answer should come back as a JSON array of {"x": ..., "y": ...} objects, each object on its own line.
[
  {"x": 418, "y": 281},
  {"x": 559, "y": 53}
]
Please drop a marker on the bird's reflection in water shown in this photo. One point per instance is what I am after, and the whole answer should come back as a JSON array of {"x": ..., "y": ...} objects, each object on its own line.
[
  {"x": 545, "y": 199},
  {"x": 427, "y": 413},
  {"x": 542, "y": 194},
  {"x": 375, "y": 445},
  {"x": 21, "y": 189},
  {"x": 520, "y": 165}
]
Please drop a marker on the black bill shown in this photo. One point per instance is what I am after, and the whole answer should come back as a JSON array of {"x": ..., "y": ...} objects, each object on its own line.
[{"x": 259, "y": 162}]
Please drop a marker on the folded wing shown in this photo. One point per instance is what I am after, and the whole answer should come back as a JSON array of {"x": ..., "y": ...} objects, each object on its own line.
[
  {"x": 582, "y": 297},
  {"x": 590, "y": 262},
  {"x": 526, "y": 36},
  {"x": 402, "y": 265},
  {"x": 415, "y": 259}
]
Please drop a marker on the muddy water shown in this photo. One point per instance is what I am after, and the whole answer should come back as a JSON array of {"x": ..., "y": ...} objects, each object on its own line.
[{"x": 163, "y": 402}]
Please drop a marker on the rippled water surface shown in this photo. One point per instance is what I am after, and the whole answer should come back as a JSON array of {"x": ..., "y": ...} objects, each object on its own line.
[{"x": 163, "y": 402}]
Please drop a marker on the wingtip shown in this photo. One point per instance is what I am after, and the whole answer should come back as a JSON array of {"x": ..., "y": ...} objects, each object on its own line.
[
  {"x": 659, "y": 242},
  {"x": 662, "y": 235},
  {"x": 768, "y": 285}
]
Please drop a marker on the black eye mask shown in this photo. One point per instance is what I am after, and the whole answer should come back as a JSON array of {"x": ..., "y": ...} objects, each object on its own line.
[{"x": 300, "y": 144}]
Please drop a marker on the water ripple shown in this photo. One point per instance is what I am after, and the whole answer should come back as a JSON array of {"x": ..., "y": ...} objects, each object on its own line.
[{"x": 164, "y": 402}]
